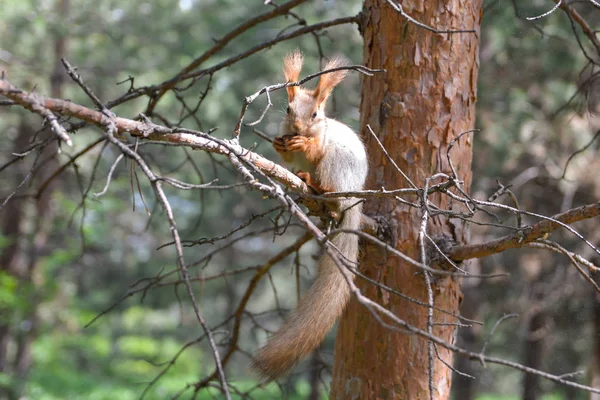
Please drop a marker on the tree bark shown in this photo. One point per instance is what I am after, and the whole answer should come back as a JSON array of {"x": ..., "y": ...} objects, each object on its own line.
[
  {"x": 533, "y": 350},
  {"x": 424, "y": 101}
]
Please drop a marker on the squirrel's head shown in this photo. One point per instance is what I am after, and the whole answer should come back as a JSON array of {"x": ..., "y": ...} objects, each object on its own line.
[{"x": 306, "y": 108}]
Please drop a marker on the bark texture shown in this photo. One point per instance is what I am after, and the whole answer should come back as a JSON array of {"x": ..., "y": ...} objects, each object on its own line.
[{"x": 424, "y": 101}]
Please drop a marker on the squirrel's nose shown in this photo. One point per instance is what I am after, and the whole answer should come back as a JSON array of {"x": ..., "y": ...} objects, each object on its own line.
[{"x": 297, "y": 126}]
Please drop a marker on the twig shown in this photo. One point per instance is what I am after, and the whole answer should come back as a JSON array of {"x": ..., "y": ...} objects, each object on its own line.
[
  {"x": 526, "y": 235},
  {"x": 558, "y": 4},
  {"x": 577, "y": 18},
  {"x": 221, "y": 43},
  {"x": 390, "y": 159},
  {"x": 267, "y": 89},
  {"x": 548, "y": 245}
]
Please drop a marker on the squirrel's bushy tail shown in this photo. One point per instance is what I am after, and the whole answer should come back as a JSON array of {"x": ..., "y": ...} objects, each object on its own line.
[{"x": 318, "y": 309}]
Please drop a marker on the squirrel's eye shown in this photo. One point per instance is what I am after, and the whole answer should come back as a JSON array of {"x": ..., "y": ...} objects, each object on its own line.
[
  {"x": 288, "y": 110},
  {"x": 314, "y": 115}
]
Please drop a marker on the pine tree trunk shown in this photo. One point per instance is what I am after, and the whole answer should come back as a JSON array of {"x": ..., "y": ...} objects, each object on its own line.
[{"x": 424, "y": 100}]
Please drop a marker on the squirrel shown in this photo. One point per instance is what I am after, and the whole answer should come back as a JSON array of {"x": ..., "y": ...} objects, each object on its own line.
[{"x": 330, "y": 157}]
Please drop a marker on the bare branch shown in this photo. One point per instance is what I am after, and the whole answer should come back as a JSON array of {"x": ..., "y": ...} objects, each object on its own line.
[
  {"x": 150, "y": 90},
  {"x": 577, "y": 18},
  {"x": 224, "y": 41},
  {"x": 524, "y": 236},
  {"x": 152, "y": 132}
]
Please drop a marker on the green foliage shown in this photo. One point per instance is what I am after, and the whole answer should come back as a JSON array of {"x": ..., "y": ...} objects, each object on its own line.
[
  {"x": 82, "y": 364},
  {"x": 8, "y": 291}
]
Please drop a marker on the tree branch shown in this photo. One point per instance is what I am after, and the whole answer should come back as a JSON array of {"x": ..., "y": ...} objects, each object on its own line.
[
  {"x": 171, "y": 136},
  {"x": 221, "y": 43},
  {"x": 183, "y": 137},
  {"x": 524, "y": 236},
  {"x": 150, "y": 90},
  {"x": 587, "y": 30}
]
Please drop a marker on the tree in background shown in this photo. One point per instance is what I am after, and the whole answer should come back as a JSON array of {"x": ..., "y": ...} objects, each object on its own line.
[{"x": 196, "y": 247}]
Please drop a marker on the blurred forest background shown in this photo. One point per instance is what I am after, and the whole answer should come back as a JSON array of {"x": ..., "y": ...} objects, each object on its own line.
[{"x": 84, "y": 252}]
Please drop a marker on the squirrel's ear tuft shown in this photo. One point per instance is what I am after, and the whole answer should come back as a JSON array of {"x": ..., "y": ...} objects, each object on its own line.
[
  {"x": 292, "y": 65},
  {"x": 330, "y": 80}
]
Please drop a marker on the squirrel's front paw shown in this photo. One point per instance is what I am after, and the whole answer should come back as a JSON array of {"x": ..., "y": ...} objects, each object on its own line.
[
  {"x": 297, "y": 143},
  {"x": 291, "y": 143},
  {"x": 279, "y": 143}
]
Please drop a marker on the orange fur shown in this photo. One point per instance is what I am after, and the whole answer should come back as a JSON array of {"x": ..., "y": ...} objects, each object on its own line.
[
  {"x": 279, "y": 143},
  {"x": 330, "y": 80},
  {"x": 309, "y": 145},
  {"x": 292, "y": 65},
  {"x": 312, "y": 183}
]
